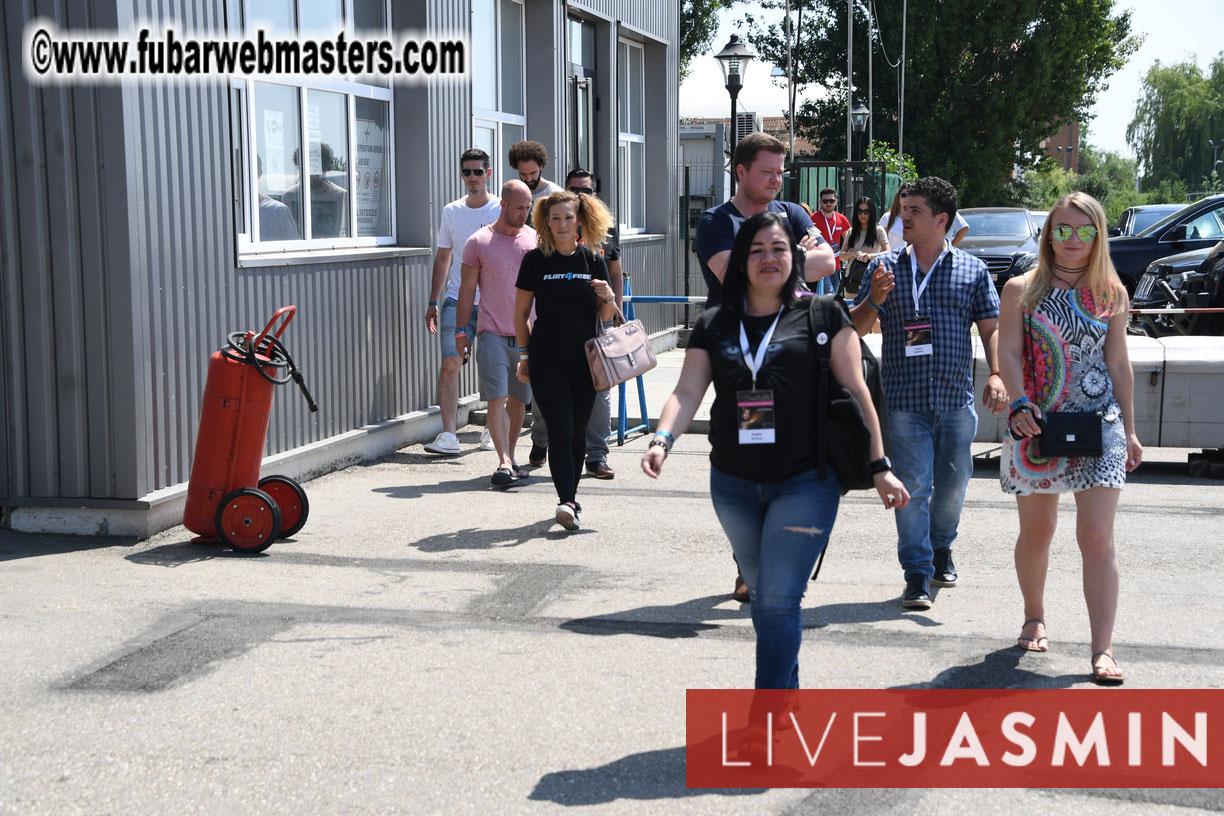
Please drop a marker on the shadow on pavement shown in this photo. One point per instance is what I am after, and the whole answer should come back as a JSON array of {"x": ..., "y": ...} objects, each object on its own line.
[
  {"x": 682, "y": 620},
  {"x": 1000, "y": 669},
  {"x": 480, "y": 483},
  {"x": 15, "y": 546},
  {"x": 476, "y": 538},
  {"x": 185, "y": 552},
  {"x": 864, "y": 612},
  {"x": 648, "y": 775}
]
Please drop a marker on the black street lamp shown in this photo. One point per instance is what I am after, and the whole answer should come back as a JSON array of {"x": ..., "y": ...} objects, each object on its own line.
[
  {"x": 859, "y": 115},
  {"x": 1215, "y": 152},
  {"x": 733, "y": 60}
]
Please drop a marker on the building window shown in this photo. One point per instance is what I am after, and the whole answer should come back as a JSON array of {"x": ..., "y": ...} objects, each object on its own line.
[
  {"x": 631, "y": 154},
  {"x": 580, "y": 95},
  {"x": 499, "y": 108},
  {"x": 319, "y": 148}
]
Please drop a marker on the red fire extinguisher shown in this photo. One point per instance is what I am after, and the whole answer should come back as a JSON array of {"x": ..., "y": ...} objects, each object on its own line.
[{"x": 226, "y": 499}]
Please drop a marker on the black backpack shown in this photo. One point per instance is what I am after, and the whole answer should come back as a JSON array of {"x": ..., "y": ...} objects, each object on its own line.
[
  {"x": 841, "y": 432},
  {"x": 842, "y": 437}
]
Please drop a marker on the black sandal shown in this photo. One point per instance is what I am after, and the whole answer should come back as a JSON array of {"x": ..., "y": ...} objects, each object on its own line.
[
  {"x": 1098, "y": 675},
  {"x": 1036, "y": 641}
]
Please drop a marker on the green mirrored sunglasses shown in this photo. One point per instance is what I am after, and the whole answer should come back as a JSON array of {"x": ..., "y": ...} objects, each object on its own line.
[{"x": 1062, "y": 232}]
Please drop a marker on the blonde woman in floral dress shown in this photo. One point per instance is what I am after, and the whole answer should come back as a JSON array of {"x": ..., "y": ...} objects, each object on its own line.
[{"x": 1062, "y": 347}]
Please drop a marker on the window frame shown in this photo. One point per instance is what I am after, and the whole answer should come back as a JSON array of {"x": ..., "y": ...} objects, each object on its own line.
[
  {"x": 246, "y": 211},
  {"x": 630, "y": 177},
  {"x": 497, "y": 119}
]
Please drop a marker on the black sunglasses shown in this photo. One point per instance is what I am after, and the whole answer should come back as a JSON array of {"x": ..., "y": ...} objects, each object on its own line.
[
  {"x": 828, "y": 201},
  {"x": 866, "y": 212},
  {"x": 586, "y": 190},
  {"x": 468, "y": 171}
]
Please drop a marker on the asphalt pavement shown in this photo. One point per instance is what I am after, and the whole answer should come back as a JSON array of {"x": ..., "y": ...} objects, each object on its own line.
[{"x": 429, "y": 644}]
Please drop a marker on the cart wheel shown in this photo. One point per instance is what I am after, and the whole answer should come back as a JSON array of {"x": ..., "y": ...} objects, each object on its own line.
[
  {"x": 292, "y": 501},
  {"x": 248, "y": 520}
]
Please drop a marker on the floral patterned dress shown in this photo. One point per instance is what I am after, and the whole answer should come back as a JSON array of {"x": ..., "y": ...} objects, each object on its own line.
[{"x": 1064, "y": 370}]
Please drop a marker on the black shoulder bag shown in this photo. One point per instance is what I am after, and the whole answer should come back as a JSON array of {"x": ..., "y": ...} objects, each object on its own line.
[
  {"x": 1063, "y": 433},
  {"x": 842, "y": 437}
]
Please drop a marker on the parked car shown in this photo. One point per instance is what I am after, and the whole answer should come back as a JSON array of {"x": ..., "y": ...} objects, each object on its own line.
[
  {"x": 1135, "y": 220},
  {"x": 1005, "y": 238},
  {"x": 1197, "y": 226},
  {"x": 1039, "y": 218},
  {"x": 1192, "y": 279}
]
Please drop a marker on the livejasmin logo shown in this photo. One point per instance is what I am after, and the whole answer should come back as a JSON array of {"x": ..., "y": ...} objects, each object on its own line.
[{"x": 954, "y": 738}]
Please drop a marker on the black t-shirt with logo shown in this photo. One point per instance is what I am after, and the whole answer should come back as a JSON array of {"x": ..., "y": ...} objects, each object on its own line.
[
  {"x": 565, "y": 302},
  {"x": 789, "y": 370}
]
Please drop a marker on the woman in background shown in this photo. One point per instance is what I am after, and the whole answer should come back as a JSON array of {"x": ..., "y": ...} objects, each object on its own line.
[{"x": 867, "y": 240}]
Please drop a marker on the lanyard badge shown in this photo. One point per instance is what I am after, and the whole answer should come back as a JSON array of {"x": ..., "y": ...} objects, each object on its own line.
[{"x": 755, "y": 409}]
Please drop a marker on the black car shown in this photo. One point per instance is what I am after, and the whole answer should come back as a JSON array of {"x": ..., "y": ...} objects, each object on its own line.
[
  {"x": 1192, "y": 279},
  {"x": 1005, "y": 238},
  {"x": 1197, "y": 226},
  {"x": 1135, "y": 220}
]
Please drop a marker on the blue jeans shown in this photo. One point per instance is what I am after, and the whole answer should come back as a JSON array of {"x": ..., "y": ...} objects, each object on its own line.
[
  {"x": 932, "y": 458},
  {"x": 777, "y": 530}
]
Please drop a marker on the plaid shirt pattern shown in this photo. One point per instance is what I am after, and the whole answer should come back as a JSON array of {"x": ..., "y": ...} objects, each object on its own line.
[{"x": 959, "y": 294}]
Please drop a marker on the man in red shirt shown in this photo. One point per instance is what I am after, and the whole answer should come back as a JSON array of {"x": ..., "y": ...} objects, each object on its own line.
[{"x": 832, "y": 225}]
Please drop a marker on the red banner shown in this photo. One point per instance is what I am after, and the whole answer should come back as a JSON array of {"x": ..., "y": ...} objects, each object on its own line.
[{"x": 952, "y": 738}]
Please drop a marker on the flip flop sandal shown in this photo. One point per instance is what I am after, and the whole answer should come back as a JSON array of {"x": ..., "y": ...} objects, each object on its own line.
[
  {"x": 520, "y": 473},
  {"x": 503, "y": 477},
  {"x": 1035, "y": 643},
  {"x": 1098, "y": 675}
]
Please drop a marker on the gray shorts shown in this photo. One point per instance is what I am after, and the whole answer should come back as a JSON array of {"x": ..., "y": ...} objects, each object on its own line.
[{"x": 497, "y": 359}]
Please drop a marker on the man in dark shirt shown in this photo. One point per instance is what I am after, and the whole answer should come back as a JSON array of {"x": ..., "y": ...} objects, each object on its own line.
[{"x": 758, "y": 163}]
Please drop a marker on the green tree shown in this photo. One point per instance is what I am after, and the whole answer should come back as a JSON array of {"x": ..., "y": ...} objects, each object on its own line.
[
  {"x": 1179, "y": 110},
  {"x": 698, "y": 25},
  {"x": 894, "y": 162},
  {"x": 986, "y": 80}
]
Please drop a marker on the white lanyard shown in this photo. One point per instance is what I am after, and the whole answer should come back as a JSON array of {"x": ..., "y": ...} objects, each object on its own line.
[
  {"x": 828, "y": 227},
  {"x": 754, "y": 361},
  {"x": 915, "y": 289}
]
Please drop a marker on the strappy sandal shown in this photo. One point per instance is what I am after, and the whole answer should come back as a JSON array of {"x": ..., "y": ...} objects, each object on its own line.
[
  {"x": 1098, "y": 672},
  {"x": 1034, "y": 644}
]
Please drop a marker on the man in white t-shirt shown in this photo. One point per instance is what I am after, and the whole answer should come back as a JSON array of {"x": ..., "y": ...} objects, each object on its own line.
[
  {"x": 460, "y": 219},
  {"x": 491, "y": 259}
]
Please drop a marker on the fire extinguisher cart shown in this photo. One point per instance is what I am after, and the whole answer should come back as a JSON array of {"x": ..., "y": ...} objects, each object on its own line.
[{"x": 226, "y": 499}]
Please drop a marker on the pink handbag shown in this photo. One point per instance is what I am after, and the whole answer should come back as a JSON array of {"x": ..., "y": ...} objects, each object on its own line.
[{"x": 620, "y": 353}]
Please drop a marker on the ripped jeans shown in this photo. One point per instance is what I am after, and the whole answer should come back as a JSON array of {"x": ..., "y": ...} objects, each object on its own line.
[
  {"x": 777, "y": 530},
  {"x": 932, "y": 458}
]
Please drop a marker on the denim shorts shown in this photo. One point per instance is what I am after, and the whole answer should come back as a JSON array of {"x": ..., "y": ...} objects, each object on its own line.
[{"x": 446, "y": 326}]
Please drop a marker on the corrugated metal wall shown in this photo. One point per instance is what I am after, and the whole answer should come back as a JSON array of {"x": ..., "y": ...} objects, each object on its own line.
[
  {"x": 359, "y": 334},
  {"x": 63, "y": 342},
  {"x": 118, "y": 276}
]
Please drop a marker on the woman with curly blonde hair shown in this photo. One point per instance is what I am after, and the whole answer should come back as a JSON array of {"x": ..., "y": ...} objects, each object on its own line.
[
  {"x": 567, "y": 285},
  {"x": 1062, "y": 348}
]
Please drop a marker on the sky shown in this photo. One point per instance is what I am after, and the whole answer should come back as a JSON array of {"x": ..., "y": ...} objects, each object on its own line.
[{"x": 1183, "y": 30}]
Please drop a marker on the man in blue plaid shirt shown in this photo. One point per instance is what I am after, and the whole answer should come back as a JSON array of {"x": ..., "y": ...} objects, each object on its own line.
[{"x": 926, "y": 296}]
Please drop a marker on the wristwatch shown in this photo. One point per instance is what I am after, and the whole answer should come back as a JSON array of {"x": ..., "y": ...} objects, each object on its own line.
[{"x": 881, "y": 465}]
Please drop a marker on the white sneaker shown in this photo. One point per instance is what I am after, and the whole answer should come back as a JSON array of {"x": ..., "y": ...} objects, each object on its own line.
[
  {"x": 567, "y": 516},
  {"x": 445, "y": 443},
  {"x": 486, "y": 441}
]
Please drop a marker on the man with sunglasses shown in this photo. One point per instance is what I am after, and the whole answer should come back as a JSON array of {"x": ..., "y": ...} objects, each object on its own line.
[
  {"x": 927, "y": 297},
  {"x": 832, "y": 224},
  {"x": 460, "y": 219}
]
